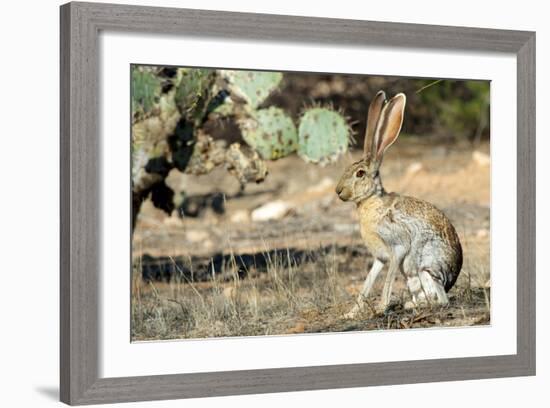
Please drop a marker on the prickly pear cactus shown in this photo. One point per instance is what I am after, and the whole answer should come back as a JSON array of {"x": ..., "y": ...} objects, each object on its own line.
[
  {"x": 207, "y": 154},
  {"x": 323, "y": 135},
  {"x": 146, "y": 90},
  {"x": 271, "y": 132},
  {"x": 170, "y": 111},
  {"x": 194, "y": 90},
  {"x": 252, "y": 87},
  {"x": 150, "y": 139},
  {"x": 245, "y": 164}
]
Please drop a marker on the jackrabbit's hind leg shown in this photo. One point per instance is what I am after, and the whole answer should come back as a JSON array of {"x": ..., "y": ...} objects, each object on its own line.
[
  {"x": 367, "y": 286},
  {"x": 426, "y": 291},
  {"x": 436, "y": 291}
]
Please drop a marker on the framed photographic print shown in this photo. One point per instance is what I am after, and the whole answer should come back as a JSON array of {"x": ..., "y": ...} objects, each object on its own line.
[{"x": 242, "y": 192}]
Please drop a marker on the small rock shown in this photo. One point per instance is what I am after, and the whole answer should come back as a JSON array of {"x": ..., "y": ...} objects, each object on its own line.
[
  {"x": 414, "y": 168},
  {"x": 240, "y": 216},
  {"x": 271, "y": 211},
  {"x": 481, "y": 159},
  {"x": 482, "y": 233},
  {"x": 196, "y": 235}
]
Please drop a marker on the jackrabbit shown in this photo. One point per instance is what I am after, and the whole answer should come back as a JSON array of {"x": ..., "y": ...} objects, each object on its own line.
[{"x": 410, "y": 235}]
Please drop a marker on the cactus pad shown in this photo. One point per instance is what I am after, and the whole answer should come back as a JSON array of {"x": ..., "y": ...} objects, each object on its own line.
[
  {"x": 323, "y": 135},
  {"x": 146, "y": 90},
  {"x": 245, "y": 165},
  {"x": 253, "y": 87},
  {"x": 150, "y": 138},
  {"x": 270, "y": 132},
  {"x": 160, "y": 123},
  {"x": 193, "y": 92}
]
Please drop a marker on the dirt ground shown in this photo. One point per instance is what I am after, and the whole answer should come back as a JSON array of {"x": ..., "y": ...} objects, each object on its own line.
[{"x": 286, "y": 257}]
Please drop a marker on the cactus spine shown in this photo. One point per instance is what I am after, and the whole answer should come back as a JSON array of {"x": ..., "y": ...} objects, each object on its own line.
[{"x": 170, "y": 107}]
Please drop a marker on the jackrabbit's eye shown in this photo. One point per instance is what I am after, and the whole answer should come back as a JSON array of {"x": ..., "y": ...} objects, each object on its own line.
[{"x": 360, "y": 173}]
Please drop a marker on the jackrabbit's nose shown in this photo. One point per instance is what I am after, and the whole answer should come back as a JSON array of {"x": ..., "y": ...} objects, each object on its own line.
[
  {"x": 339, "y": 189},
  {"x": 344, "y": 193}
]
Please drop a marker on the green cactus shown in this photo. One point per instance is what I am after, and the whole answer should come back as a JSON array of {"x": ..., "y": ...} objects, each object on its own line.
[
  {"x": 170, "y": 107},
  {"x": 159, "y": 124},
  {"x": 245, "y": 164},
  {"x": 194, "y": 90},
  {"x": 146, "y": 90},
  {"x": 225, "y": 109},
  {"x": 150, "y": 137},
  {"x": 270, "y": 132},
  {"x": 252, "y": 87},
  {"x": 323, "y": 135}
]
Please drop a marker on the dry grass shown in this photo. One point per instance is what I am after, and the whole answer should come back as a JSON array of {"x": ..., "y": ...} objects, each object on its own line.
[
  {"x": 310, "y": 285},
  {"x": 288, "y": 296}
]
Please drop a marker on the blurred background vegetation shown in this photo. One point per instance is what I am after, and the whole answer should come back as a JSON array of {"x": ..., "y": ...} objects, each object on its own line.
[
  {"x": 455, "y": 110},
  {"x": 194, "y": 120}
]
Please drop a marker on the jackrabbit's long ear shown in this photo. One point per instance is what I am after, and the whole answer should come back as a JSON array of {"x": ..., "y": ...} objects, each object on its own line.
[
  {"x": 375, "y": 109},
  {"x": 389, "y": 125}
]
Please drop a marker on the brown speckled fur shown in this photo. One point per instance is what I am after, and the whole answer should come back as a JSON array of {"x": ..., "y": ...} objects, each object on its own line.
[
  {"x": 377, "y": 209},
  {"x": 407, "y": 233}
]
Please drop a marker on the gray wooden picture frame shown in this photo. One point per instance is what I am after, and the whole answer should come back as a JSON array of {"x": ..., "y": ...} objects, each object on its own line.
[{"x": 81, "y": 24}]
